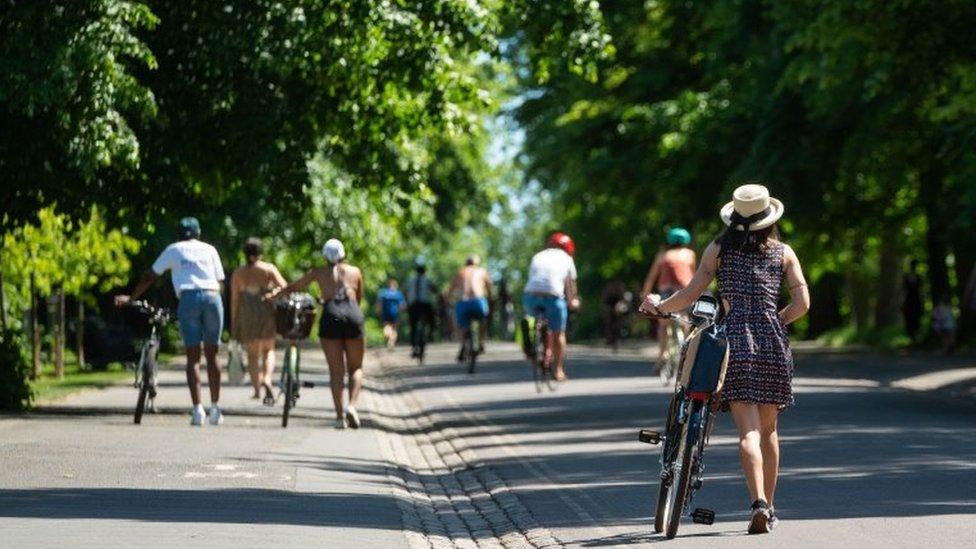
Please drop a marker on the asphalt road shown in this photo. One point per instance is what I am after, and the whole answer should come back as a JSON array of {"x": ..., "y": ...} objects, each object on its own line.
[{"x": 864, "y": 464}]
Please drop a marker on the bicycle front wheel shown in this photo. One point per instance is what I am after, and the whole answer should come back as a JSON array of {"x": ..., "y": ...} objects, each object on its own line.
[
  {"x": 290, "y": 386},
  {"x": 674, "y": 434},
  {"x": 682, "y": 478},
  {"x": 145, "y": 379}
]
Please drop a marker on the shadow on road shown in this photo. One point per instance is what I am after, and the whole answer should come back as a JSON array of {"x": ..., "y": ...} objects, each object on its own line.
[{"x": 238, "y": 506}]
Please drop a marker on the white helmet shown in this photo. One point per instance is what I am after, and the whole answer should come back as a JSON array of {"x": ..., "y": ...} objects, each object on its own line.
[{"x": 333, "y": 250}]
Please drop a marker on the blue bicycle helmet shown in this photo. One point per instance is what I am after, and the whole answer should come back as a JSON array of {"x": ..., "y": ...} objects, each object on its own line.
[{"x": 678, "y": 236}]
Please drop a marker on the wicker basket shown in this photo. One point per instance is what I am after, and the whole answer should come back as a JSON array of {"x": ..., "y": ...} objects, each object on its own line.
[{"x": 294, "y": 316}]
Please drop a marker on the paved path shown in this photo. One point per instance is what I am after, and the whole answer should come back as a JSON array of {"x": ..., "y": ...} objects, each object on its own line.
[{"x": 452, "y": 460}]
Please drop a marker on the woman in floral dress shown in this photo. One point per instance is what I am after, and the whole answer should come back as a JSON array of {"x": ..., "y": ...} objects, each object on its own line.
[{"x": 751, "y": 264}]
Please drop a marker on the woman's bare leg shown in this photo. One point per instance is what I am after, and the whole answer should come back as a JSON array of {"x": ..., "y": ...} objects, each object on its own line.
[
  {"x": 662, "y": 338},
  {"x": 355, "y": 349},
  {"x": 253, "y": 351},
  {"x": 748, "y": 422},
  {"x": 337, "y": 367},
  {"x": 769, "y": 445},
  {"x": 268, "y": 363}
]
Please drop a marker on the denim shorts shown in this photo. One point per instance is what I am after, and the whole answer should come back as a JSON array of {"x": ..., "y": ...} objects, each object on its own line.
[
  {"x": 201, "y": 316},
  {"x": 554, "y": 308},
  {"x": 467, "y": 310}
]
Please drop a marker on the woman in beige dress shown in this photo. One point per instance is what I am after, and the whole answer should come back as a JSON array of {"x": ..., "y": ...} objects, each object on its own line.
[{"x": 252, "y": 317}]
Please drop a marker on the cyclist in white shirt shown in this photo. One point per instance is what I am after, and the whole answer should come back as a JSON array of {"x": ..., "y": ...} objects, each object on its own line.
[
  {"x": 551, "y": 287},
  {"x": 197, "y": 273}
]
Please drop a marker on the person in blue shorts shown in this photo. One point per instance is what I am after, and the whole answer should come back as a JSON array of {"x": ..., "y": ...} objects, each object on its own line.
[
  {"x": 197, "y": 275},
  {"x": 551, "y": 287},
  {"x": 474, "y": 285},
  {"x": 390, "y": 301}
]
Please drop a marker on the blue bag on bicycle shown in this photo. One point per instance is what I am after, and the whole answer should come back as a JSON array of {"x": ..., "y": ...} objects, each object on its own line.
[{"x": 706, "y": 357}]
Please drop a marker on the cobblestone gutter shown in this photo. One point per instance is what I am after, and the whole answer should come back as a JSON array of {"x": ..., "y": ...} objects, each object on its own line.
[{"x": 447, "y": 496}]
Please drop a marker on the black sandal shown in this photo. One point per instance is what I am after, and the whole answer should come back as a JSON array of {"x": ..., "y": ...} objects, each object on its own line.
[{"x": 760, "y": 517}]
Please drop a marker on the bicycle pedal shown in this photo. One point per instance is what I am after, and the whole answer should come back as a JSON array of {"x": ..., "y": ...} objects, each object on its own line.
[
  {"x": 308, "y": 384},
  {"x": 703, "y": 516},
  {"x": 649, "y": 437}
]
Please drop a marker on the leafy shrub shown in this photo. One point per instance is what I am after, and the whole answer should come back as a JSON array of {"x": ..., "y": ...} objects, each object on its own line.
[{"x": 15, "y": 390}]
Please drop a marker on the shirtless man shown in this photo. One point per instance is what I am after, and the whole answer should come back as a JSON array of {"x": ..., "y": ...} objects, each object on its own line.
[
  {"x": 340, "y": 327},
  {"x": 474, "y": 285}
]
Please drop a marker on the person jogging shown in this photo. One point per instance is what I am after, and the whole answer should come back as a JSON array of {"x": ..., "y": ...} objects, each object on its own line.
[{"x": 197, "y": 275}]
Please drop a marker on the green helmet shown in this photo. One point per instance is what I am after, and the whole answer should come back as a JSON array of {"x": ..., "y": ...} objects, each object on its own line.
[{"x": 679, "y": 236}]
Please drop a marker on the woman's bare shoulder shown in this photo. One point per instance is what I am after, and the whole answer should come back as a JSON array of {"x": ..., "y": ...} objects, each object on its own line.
[{"x": 788, "y": 253}]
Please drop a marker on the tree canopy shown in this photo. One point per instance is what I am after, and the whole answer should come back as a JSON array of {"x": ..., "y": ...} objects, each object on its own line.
[{"x": 859, "y": 115}]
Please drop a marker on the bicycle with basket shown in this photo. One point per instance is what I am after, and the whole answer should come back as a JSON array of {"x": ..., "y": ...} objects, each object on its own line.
[
  {"x": 704, "y": 358},
  {"x": 294, "y": 317}
]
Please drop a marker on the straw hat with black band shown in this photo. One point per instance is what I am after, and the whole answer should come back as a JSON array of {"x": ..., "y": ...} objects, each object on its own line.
[{"x": 751, "y": 209}]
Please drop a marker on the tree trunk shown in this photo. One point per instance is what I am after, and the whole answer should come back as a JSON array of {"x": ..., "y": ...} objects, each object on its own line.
[
  {"x": 80, "y": 332},
  {"x": 35, "y": 334},
  {"x": 935, "y": 239},
  {"x": 59, "y": 335},
  {"x": 858, "y": 290},
  {"x": 3, "y": 300},
  {"x": 967, "y": 317},
  {"x": 888, "y": 305}
]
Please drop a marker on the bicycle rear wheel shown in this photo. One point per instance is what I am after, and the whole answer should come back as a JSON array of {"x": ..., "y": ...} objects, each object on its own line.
[{"x": 472, "y": 353}]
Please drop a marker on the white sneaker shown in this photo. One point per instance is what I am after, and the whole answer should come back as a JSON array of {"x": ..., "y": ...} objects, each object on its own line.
[
  {"x": 197, "y": 415},
  {"x": 353, "y": 417},
  {"x": 340, "y": 424},
  {"x": 216, "y": 418}
]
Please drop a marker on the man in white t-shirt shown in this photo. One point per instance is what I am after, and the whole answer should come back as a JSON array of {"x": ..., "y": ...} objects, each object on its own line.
[
  {"x": 197, "y": 273},
  {"x": 550, "y": 291}
]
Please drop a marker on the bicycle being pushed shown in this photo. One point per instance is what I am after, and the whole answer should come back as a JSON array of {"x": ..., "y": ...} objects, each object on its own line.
[
  {"x": 147, "y": 368},
  {"x": 689, "y": 421},
  {"x": 294, "y": 317}
]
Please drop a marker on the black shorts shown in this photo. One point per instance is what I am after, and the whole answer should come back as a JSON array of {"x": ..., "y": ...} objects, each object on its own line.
[
  {"x": 341, "y": 320},
  {"x": 421, "y": 312}
]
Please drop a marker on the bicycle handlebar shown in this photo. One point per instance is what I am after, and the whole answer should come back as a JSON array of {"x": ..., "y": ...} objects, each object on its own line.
[{"x": 156, "y": 314}]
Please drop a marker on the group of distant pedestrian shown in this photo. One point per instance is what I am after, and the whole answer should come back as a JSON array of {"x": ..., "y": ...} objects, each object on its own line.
[{"x": 944, "y": 323}]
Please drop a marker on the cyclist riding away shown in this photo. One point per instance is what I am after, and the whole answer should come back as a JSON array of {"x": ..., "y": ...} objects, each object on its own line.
[
  {"x": 389, "y": 303},
  {"x": 197, "y": 273},
  {"x": 551, "y": 286},
  {"x": 474, "y": 285},
  {"x": 672, "y": 270},
  {"x": 421, "y": 294}
]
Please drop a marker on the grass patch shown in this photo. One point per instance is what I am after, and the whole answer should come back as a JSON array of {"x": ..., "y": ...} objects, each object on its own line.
[{"x": 48, "y": 387}]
